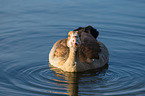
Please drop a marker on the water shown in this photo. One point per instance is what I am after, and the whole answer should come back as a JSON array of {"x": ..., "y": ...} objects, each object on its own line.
[{"x": 28, "y": 30}]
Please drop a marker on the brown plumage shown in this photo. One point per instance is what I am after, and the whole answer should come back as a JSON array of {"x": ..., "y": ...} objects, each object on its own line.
[
  {"x": 62, "y": 50},
  {"x": 88, "y": 29},
  {"x": 80, "y": 51},
  {"x": 88, "y": 49}
]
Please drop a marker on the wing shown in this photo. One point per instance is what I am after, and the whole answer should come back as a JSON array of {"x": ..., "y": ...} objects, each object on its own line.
[
  {"x": 90, "y": 47},
  {"x": 61, "y": 50}
]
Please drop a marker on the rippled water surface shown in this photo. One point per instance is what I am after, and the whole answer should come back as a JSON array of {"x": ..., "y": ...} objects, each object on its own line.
[{"x": 29, "y": 28}]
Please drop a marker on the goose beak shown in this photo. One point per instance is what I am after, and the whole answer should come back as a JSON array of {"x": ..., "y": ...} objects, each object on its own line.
[{"x": 75, "y": 45}]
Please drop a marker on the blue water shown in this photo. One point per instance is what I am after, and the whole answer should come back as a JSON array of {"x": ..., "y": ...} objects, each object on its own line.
[{"x": 29, "y": 28}]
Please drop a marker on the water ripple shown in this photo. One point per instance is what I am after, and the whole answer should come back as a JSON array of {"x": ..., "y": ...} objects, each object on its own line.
[
  {"x": 41, "y": 80},
  {"x": 29, "y": 29}
]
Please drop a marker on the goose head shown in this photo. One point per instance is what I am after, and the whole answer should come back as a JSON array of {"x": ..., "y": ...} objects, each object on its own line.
[{"x": 73, "y": 41}]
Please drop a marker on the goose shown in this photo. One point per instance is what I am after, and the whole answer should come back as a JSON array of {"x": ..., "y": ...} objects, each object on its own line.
[{"x": 81, "y": 51}]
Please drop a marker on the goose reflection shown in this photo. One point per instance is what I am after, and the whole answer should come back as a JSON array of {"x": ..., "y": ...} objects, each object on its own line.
[{"x": 73, "y": 79}]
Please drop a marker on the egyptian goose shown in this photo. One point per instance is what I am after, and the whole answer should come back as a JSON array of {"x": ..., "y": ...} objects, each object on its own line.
[{"x": 79, "y": 52}]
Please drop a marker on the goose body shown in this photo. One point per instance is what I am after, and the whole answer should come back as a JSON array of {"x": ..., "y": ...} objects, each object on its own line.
[{"x": 79, "y": 52}]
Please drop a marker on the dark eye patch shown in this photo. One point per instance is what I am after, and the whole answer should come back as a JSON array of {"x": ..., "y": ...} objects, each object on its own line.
[{"x": 75, "y": 36}]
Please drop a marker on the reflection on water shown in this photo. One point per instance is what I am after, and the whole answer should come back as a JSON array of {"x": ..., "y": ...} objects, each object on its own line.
[
  {"x": 29, "y": 28},
  {"x": 73, "y": 79}
]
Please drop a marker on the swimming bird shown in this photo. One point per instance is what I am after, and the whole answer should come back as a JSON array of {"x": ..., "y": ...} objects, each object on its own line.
[{"x": 81, "y": 51}]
